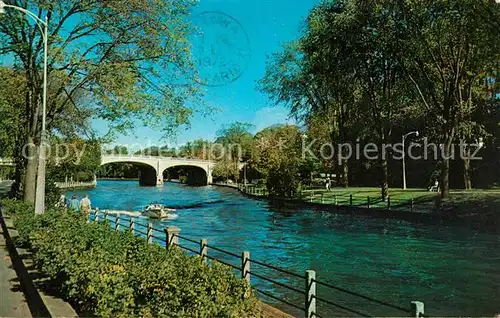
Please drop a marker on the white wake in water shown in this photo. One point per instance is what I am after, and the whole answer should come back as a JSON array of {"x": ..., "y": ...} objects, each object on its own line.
[
  {"x": 170, "y": 216},
  {"x": 124, "y": 212}
]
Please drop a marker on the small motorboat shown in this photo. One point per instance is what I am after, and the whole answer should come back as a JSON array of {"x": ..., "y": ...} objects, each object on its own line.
[{"x": 159, "y": 211}]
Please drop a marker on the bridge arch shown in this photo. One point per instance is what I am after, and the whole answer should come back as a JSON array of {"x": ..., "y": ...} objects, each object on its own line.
[
  {"x": 161, "y": 164},
  {"x": 190, "y": 174},
  {"x": 145, "y": 172}
]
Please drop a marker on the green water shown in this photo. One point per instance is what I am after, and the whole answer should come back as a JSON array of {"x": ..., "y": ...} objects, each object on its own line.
[{"x": 454, "y": 271}]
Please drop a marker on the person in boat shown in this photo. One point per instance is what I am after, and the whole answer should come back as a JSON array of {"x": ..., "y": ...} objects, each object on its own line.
[{"x": 151, "y": 206}]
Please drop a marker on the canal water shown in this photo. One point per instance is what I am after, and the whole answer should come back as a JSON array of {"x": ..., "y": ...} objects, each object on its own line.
[{"x": 454, "y": 271}]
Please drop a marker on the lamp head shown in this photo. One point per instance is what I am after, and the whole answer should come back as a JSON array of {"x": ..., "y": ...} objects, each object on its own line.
[
  {"x": 2, "y": 7},
  {"x": 416, "y": 133}
]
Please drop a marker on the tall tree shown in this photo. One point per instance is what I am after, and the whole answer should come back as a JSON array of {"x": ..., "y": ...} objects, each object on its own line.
[
  {"x": 447, "y": 48},
  {"x": 117, "y": 51},
  {"x": 277, "y": 156},
  {"x": 11, "y": 105},
  {"x": 380, "y": 76},
  {"x": 329, "y": 60},
  {"x": 237, "y": 140}
]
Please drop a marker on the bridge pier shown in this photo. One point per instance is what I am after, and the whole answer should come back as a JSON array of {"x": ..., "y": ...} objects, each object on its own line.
[
  {"x": 209, "y": 177},
  {"x": 159, "y": 179}
]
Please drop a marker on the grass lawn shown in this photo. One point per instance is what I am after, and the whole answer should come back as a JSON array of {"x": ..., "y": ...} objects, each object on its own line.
[
  {"x": 465, "y": 202},
  {"x": 362, "y": 196},
  {"x": 479, "y": 208}
]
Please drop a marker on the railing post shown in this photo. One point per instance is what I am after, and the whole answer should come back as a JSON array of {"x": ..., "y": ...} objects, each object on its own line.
[
  {"x": 368, "y": 202},
  {"x": 132, "y": 225},
  {"x": 321, "y": 198},
  {"x": 310, "y": 309},
  {"x": 335, "y": 200},
  {"x": 388, "y": 203},
  {"x": 203, "y": 250},
  {"x": 411, "y": 205},
  {"x": 96, "y": 219},
  {"x": 171, "y": 235},
  {"x": 245, "y": 266},
  {"x": 312, "y": 195},
  {"x": 350, "y": 199},
  {"x": 150, "y": 233},
  {"x": 105, "y": 217},
  {"x": 117, "y": 222},
  {"x": 417, "y": 309}
]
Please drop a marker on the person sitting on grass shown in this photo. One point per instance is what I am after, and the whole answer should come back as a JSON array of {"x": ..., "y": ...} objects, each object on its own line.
[{"x": 435, "y": 187}]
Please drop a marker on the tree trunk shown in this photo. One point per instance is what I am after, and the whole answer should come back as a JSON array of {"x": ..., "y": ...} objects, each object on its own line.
[
  {"x": 467, "y": 174},
  {"x": 384, "y": 183},
  {"x": 344, "y": 174},
  {"x": 15, "y": 190},
  {"x": 445, "y": 171},
  {"x": 29, "y": 186}
]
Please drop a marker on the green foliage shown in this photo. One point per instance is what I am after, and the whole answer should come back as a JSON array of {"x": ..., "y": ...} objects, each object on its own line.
[
  {"x": 196, "y": 149},
  {"x": 234, "y": 145},
  {"x": 278, "y": 156},
  {"x": 109, "y": 273},
  {"x": 118, "y": 170},
  {"x": 375, "y": 70},
  {"x": 52, "y": 193},
  {"x": 11, "y": 103},
  {"x": 226, "y": 169},
  {"x": 237, "y": 141},
  {"x": 76, "y": 157}
]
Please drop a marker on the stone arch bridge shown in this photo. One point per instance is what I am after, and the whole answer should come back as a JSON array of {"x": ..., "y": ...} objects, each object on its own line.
[{"x": 157, "y": 165}]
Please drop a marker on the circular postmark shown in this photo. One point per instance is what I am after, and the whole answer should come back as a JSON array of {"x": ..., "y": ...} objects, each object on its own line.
[{"x": 221, "y": 50}]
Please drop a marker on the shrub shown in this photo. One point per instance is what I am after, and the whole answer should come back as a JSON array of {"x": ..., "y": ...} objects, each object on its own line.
[{"x": 109, "y": 273}]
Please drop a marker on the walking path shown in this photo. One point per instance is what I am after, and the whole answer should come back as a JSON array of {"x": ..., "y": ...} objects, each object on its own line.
[{"x": 12, "y": 301}]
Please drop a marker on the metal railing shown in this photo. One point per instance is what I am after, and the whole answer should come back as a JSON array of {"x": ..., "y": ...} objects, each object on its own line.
[
  {"x": 322, "y": 196},
  {"x": 169, "y": 237},
  {"x": 75, "y": 184}
]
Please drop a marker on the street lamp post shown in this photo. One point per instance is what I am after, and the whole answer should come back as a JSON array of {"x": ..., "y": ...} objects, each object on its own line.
[
  {"x": 245, "y": 174},
  {"x": 404, "y": 155},
  {"x": 40, "y": 186}
]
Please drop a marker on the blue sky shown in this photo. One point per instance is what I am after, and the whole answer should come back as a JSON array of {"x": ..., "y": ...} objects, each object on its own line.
[{"x": 268, "y": 24}]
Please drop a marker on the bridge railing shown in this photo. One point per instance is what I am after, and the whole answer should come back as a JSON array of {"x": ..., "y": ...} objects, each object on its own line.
[
  {"x": 157, "y": 157},
  {"x": 312, "y": 302}
]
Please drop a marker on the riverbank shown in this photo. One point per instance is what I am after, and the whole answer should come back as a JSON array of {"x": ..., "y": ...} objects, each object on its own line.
[
  {"x": 387, "y": 259},
  {"x": 478, "y": 209}
]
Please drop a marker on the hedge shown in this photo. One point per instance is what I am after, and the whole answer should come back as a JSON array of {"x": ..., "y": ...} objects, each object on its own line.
[{"x": 107, "y": 273}]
